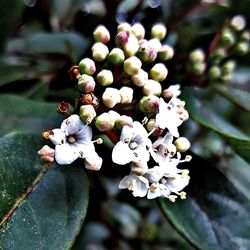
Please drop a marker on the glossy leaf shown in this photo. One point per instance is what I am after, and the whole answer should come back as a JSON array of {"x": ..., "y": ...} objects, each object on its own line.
[
  {"x": 49, "y": 214},
  {"x": 214, "y": 215},
  {"x": 18, "y": 113},
  {"x": 209, "y": 119},
  {"x": 240, "y": 97}
]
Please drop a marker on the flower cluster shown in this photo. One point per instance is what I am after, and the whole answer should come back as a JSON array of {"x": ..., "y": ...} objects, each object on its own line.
[
  {"x": 232, "y": 40},
  {"x": 122, "y": 93}
]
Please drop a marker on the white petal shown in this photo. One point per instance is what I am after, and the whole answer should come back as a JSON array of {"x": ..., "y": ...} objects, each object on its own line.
[
  {"x": 58, "y": 137},
  {"x": 127, "y": 133},
  {"x": 155, "y": 194},
  {"x": 65, "y": 154},
  {"x": 177, "y": 184},
  {"x": 84, "y": 134},
  {"x": 173, "y": 130},
  {"x": 72, "y": 125},
  {"x": 154, "y": 174},
  {"x": 140, "y": 189},
  {"x": 121, "y": 154},
  {"x": 93, "y": 162},
  {"x": 125, "y": 181},
  {"x": 139, "y": 130}
]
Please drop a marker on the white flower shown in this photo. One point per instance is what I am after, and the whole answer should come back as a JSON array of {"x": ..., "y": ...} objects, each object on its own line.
[
  {"x": 168, "y": 117},
  {"x": 137, "y": 184},
  {"x": 72, "y": 140},
  {"x": 133, "y": 146}
]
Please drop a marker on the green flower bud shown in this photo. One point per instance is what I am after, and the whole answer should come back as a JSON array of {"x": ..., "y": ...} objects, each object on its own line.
[
  {"x": 131, "y": 47},
  {"x": 226, "y": 77},
  {"x": 228, "y": 38},
  {"x": 116, "y": 56},
  {"x": 214, "y": 72},
  {"x": 155, "y": 44},
  {"x": 146, "y": 53},
  {"x": 197, "y": 56},
  {"x": 140, "y": 79},
  {"x": 101, "y": 34},
  {"x": 100, "y": 52},
  {"x": 87, "y": 66},
  {"x": 87, "y": 113},
  {"x": 238, "y": 22},
  {"x": 138, "y": 30},
  {"x": 166, "y": 52},
  {"x": 104, "y": 77},
  {"x": 152, "y": 87},
  {"x": 151, "y": 125},
  {"x": 182, "y": 144},
  {"x": 159, "y": 31},
  {"x": 126, "y": 94},
  {"x": 104, "y": 122},
  {"x": 124, "y": 27},
  {"x": 123, "y": 120},
  {"x": 111, "y": 97},
  {"x": 245, "y": 36},
  {"x": 159, "y": 72},
  {"x": 198, "y": 68},
  {"x": 132, "y": 65},
  {"x": 149, "y": 104},
  {"x": 86, "y": 84},
  {"x": 228, "y": 67},
  {"x": 242, "y": 48},
  {"x": 218, "y": 55}
]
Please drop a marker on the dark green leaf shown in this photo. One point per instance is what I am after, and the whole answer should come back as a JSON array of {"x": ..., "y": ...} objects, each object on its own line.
[
  {"x": 18, "y": 113},
  {"x": 240, "y": 97},
  {"x": 9, "y": 18},
  {"x": 209, "y": 119},
  {"x": 215, "y": 215},
  {"x": 51, "y": 216}
]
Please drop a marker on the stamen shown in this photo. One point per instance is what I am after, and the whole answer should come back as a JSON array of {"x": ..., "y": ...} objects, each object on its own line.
[
  {"x": 184, "y": 172},
  {"x": 98, "y": 141},
  {"x": 143, "y": 179},
  {"x": 183, "y": 195},
  {"x": 133, "y": 145},
  {"x": 71, "y": 139},
  {"x": 144, "y": 120},
  {"x": 47, "y": 134},
  {"x": 153, "y": 187},
  {"x": 172, "y": 198},
  {"x": 152, "y": 131}
]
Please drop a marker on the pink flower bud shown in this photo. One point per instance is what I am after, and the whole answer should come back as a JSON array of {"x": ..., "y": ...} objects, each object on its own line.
[
  {"x": 166, "y": 52},
  {"x": 86, "y": 84},
  {"x": 121, "y": 38},
  {"x": 140, "y": 79},
  {"x": 87, "y": 66},
  {"x": 149, "y": 104},
  {"x": 101, "y": 34},
  {"x": 123, "y": 120},
  {"x": 104, "y": 122},
  {"x": 47, "y": 154}
]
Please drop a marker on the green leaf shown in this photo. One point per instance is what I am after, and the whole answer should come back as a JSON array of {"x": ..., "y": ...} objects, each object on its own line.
[
  {"x": 18, "y": 113},
  {"x": 214, "y": 215},
  {"x": 50, "y": 206},
  {"x": 209, "y": 119},
  {"x": 9, "y": 18},
  {"x": 239, "y": 97}
]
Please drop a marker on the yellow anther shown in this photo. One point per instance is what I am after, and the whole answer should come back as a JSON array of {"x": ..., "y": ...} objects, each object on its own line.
[
  {"x": 47, "y": 134},
  {"x": 153, "y": 187},
  {"x": 172, "y": 198},
  {"x": 184, "y": 172},
  {"x": 183, "y": 195},
  {"x": 188, "y": 158}
]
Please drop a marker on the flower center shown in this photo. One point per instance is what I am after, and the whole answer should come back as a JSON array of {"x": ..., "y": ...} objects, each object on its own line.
[
  {"x": 133, "y": 145},
  {"x": 71, "y": 139}
]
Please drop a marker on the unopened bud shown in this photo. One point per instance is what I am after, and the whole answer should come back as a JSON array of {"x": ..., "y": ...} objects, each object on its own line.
[
  {"x": 111, "y": 97},
  {"x": 104, "y": 122},
  {"x": 146, "y": 53},
  {"x": 166, "y": 52},
  {"x": 87, "y": 66},
  {"x": 140, "y": 79},
  {"x": 124, "y": 27},
  {"x": 93, "y": 163},
  {"x": 74, "y": 72},
  {"x": 86, "y": 84},
  {"x": 115, "y": 115},
  {"x": 197, "y": 56},
  {"x": 101, "y": 34},
  {"x": 155, "y": 44},
  {"x": 87, "y": 113},
  {"x": 121, "y": 38},
  {"x": 159, "y": 72},
  {"x": 151, "y": 125},
  {"x": 99, "y": 52},
  {"x": 228, "y": 67},
  {"x": 132, "y": 65},
  {"x": 149, "y": 104},
  {"x": 104, "y": 77},
  {"x": 238, "y": 22},
  {"x": 90, "y": 98},
  {"x": 131, "y": 47},
  {"x": 159, "y": 31},
  {"x": 152, "y": 87},
  {"x": 226, "y": 77},
  {"x": 63, "y": 108},
  {"x": 214, "y": 72},
  {"x": 228, "y": 38},
  {"x": 171, "y": 91},
  {"x": 182, "y": 144},
  {"x": 218, "y": 55},
  {"x": 126, "y": 94},
  {"x": 245, "y": 36},
  {"x": 242, "y": 48},
  {"x": 47, "y": 154},
  {"x": 198, "y": 68},
  {"x": 123, "y": 120},
  {"x": 138, "y": 30},
  {"x": 116, "y": 56}
]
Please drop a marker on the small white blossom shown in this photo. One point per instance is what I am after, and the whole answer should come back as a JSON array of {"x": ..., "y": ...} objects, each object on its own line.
[
  {"x": 72, "y": 140},
  {"x": 133, "y": 146}
]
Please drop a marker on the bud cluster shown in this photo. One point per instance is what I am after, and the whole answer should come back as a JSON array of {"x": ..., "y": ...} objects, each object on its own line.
[{"x": 217, "y": 65}]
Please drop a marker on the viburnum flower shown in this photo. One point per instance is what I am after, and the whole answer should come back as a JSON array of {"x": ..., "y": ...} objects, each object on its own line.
[
  {"x": 133, "y": 146},
  {"x": 72, "y": 141}
]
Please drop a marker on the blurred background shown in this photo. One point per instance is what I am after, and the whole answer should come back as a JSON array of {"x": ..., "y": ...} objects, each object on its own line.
[{"x": 42, "y": 39}]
